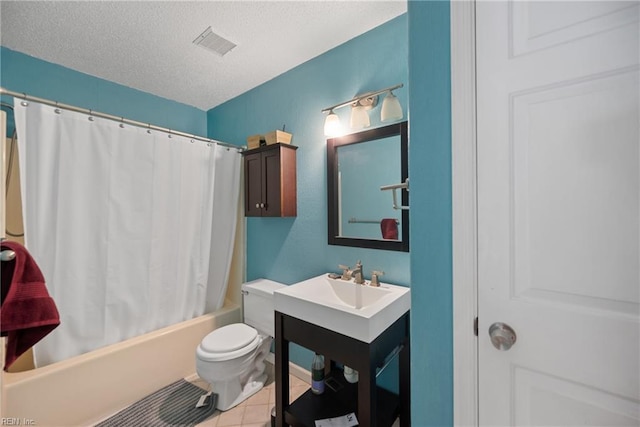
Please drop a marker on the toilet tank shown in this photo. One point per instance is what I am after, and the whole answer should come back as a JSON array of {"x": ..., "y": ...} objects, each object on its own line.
[{"x": 257, "y": 300}]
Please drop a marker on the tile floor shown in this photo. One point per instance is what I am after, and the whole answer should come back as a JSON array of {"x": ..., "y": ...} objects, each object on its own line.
[{"x": 255, "y": 411}]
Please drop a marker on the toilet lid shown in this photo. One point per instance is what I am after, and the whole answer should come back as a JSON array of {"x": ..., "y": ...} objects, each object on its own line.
[{"x": 229, "y": 338}]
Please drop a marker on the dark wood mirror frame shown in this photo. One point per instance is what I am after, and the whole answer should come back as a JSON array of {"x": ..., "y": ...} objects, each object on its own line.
[{"x": 332, "y": 187}]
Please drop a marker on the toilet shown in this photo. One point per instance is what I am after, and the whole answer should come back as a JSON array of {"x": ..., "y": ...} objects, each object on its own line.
[{"x": 231, "y": 358}]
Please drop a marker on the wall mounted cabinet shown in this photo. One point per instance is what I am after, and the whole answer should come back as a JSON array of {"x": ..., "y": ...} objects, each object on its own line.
[{"x": 270, "y": 181}]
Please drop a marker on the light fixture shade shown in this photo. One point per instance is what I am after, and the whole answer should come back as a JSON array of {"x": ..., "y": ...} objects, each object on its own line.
[
  {"x": 391, "y": 109},
  {"x": 332, "y": 126},
  {"x": 359, "y": 117}
]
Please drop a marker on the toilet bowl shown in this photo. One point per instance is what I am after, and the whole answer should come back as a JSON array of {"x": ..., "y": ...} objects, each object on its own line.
[{"x": 231, "y": 358}]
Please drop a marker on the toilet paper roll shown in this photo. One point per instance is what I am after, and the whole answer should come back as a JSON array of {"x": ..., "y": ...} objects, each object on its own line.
[{"x": 350, "y": 374}]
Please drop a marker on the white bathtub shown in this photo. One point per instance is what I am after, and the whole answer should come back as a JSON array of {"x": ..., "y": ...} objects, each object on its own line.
[{"x": 85, "y": 389}]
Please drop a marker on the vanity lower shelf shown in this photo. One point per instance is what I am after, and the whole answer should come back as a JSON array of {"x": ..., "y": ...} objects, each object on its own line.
[{"x": 309, "y": 407}]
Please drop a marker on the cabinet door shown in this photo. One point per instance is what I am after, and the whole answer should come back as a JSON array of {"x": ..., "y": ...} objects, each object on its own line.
[
  {"x": 271, "y": 183},
  {"x": 253, "y": 184}
]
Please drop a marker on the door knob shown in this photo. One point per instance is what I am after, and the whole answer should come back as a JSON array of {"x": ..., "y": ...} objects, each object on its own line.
[{"x": 502, "y": 336}]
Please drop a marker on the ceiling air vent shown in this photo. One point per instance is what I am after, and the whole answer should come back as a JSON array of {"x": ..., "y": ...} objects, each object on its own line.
[{"x": 214, "y": 42}]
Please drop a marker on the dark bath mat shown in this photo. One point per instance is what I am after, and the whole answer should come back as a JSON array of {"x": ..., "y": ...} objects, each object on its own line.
[{"x": 173, "y": 405}]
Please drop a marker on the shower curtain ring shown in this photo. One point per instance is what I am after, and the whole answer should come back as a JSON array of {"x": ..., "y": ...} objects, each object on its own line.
[
  {"x": 24, "y": 103},
  {"x": 91, "y": 115},
  {"x": 122, "y": 122},
  {"x": 149, "y": 128},
  {"x": 57, "y": 110}
]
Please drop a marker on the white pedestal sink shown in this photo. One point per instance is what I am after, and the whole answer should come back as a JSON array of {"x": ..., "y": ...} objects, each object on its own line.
[{"x": 361, "y": 312}]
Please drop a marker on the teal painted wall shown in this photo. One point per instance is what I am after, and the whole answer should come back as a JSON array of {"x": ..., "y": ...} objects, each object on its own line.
[
  {"x": 289, "y": 250},
  {"x": 26, "y": 74},
  {"x": 431, "y": 256}
]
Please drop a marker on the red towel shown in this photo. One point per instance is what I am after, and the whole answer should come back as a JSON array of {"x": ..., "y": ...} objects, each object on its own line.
[
  {"x": 389, "y": 227},
  {"x": 28, "y": 313}
]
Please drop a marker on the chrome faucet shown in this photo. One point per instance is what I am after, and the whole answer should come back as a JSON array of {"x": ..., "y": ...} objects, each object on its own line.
[
  {"x": 357, "y": 273},
  {"x": 346, "y": 272},
  {"x": 375, "y": 278}
]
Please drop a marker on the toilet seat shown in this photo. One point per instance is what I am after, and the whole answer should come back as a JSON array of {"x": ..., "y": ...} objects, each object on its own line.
[{"x": 228, "y": 342}]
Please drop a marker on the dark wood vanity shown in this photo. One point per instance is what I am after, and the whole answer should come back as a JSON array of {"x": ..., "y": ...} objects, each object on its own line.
[
  {"x": 373, "y": 405},
  {"x": 270, "y": 181}
]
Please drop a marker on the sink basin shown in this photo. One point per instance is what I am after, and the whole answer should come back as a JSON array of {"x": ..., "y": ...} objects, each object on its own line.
[
  {"x": 355, "y": 295},
  {"x": 357, "y": 311}
]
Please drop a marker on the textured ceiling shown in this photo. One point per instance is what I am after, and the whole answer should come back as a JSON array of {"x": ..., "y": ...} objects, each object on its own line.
[{"x": 147, "y": 45}]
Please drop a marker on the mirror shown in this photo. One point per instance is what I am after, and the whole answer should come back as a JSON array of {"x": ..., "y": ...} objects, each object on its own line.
[{"x": 360, "y": 214}]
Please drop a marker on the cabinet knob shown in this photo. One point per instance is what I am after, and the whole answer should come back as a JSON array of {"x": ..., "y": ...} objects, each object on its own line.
[
  {"x": 262, "y": 205},
  {"x": 257, "y": 205}
]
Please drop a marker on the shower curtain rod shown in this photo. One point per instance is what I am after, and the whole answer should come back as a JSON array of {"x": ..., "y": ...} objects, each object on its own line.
[{"x": 26, "y": 97}]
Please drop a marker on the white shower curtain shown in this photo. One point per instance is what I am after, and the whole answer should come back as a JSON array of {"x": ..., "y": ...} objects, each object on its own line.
[{"x": 133, "y": 229}]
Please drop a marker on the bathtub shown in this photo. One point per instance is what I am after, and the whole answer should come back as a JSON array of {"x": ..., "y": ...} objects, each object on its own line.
[{"x": 88, "y": 388}]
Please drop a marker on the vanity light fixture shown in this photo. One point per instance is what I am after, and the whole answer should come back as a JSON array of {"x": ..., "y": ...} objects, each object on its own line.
[{"x": 391, "y": 110}]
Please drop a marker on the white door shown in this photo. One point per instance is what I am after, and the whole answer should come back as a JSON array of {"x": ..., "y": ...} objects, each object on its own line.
[{"x": 559, "y": 212}]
